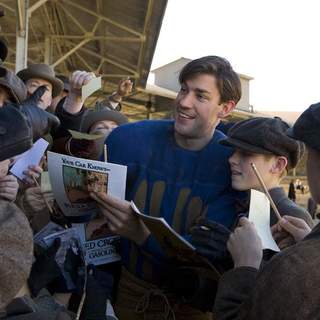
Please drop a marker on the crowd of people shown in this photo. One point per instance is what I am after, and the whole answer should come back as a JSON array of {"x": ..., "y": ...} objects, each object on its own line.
[{"x": 192, "y": 170}]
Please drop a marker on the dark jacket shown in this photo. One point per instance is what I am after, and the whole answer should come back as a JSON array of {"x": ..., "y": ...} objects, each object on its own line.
[
  {"x": 43, "y": 307},
  {"x": 287, "y": 288},
  {"x": 68, "y": 121}
]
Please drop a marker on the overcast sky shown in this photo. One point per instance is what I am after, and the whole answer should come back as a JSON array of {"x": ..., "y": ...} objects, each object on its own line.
[{"x": 274, "y": 41}]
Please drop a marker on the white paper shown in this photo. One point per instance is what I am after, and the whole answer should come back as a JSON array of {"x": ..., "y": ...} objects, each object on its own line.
[
  {"x": 72, "y": 179},
  {"x": 29, "y": 158},
  {"x": 259, "y": 214},
  {"x": 89, "y": 88}
]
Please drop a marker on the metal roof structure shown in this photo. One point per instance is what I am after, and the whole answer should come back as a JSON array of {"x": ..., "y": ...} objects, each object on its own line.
[{"x": 115, "y": 39}]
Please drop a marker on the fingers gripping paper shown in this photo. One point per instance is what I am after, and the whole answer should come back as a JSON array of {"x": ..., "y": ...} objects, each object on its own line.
[{"x": 259, "y": 214}]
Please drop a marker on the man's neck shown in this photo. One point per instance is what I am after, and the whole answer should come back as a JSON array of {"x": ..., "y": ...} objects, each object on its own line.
[{"x": 192, "y": 144}]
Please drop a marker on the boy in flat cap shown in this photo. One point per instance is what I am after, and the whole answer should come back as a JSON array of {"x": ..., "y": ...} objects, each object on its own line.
[
  {"x": 288, "y": 286},
  {"x": 264, "y": 142}
]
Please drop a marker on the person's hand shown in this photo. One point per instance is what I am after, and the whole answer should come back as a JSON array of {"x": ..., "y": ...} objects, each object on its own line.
[
  {"x": 290, "y": 230},
  {"x": 121, "y": 218},
  {"x": 73, "y": 103},
  {"x": 210, "y": 239},
  {"x": 283, "y": 238},
  {"x": 34, "y": 198},
  {"x": 78, "y": 79},
  {"x": 33, "y": 172},
  {"x": 124, "y": 87},
  {"x": 9, "y": 187},
  {"x": 123, "y": 90},
  {"x": 245, "y": 245}
]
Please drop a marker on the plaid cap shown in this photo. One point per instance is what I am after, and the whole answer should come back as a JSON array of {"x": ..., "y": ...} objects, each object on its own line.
[
  {"x": 307, "y": 127},
  {"x": 265, "y": 136}
]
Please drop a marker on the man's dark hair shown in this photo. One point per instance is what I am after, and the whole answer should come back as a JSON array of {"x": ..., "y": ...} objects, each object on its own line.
[{"x": 228, "y": 81}]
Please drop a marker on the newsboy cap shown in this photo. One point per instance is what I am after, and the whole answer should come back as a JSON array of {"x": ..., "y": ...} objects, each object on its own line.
[
  {"x": 265, "y": 136},
  {"x": 307, "y": 127}
]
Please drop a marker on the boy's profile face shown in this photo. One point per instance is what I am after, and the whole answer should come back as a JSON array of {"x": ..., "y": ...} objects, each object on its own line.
[
  {"x": 313, "y": 171},
  {"x": 242, "y": 174}
]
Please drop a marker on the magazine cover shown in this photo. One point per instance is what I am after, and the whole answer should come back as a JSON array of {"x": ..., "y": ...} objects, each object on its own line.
[
  {"x": 175, "y": 246},
  {"x": 72, "y": 179},
  {"x": 69, "y": 253},
  {"x": 99, "y": 245}
]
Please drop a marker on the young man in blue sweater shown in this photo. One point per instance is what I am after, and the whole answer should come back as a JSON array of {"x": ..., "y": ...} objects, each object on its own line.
[{"x": 176, "y": 170}]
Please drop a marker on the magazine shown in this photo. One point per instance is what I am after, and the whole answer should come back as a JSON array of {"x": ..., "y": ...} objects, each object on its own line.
[
  {"x": 68, "y": 252},
  {"x": 174, "y": 245},
  {"x": 73, "y": 179},
  {"x": 99, "y": 245}
]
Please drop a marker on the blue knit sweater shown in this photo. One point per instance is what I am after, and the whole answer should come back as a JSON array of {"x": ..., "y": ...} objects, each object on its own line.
[{"x": 167, "y": 181}]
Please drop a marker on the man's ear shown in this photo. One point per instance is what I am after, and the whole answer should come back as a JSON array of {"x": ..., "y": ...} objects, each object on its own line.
[
  {"x": 227, "y": 108},
  {"x": 279, "y": 165}
]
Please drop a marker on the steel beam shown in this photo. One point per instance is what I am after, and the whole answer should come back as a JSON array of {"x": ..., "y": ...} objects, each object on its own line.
[
  {"x": 112, "y": 75},
  {"x": 35, "y": 6},
  {"x": 70, "y": 52},
  {"x": 145, "y": 29},
  {"x": 93, "y": 37},
  {"x": 115, "y": 63},
  {"x": 70, "y": 15},
  {"x": 103, "y": 18},
  {"x": 22, "y": 34},
  {"x": 4, "y": 5},
  {"x": 47, "y": 50}
]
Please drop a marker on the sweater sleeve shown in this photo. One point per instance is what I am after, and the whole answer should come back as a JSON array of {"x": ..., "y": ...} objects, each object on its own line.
[{"x": 68, "y": 120}]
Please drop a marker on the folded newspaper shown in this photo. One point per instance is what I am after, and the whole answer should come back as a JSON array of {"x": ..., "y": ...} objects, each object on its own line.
[{"x": 72, "y": 179}]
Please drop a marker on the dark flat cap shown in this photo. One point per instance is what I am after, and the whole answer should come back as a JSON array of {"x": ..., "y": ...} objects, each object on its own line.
[
  {"x": 265, "y": 136},
  {"x": 307, "y": 127}
]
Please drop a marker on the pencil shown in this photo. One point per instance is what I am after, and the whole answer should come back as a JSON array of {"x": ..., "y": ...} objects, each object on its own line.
[
  {"x": 275, "y": 209},
  {"x": 105, "y": 153},
  {"x": 44, "y": 198}
]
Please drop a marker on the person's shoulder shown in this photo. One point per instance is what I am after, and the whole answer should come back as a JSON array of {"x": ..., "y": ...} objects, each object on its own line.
[
  {"x": 290, "y": 208},
  {"x": 216, "y": 146},
  {"x": 144, "y": 129}
]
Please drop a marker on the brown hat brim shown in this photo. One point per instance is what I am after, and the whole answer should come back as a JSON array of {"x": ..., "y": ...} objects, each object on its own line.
[
  {"x": 57, "y": 84},
  {"x": 236, "y": 143},
  {"x": 95, "y": 116}
]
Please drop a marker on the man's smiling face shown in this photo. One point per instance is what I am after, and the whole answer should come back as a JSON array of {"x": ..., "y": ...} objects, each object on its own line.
[{"x": 197, "y": 108}]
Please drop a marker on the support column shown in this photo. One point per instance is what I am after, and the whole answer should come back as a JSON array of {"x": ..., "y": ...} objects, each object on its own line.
[
  {"x": 22, "y": 34},
  {"x": 47, "y": 50}
]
